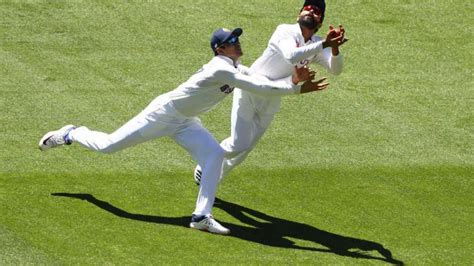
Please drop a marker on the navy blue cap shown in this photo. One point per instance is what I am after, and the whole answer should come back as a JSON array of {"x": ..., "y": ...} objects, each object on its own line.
[
  {"x": 321, "y": 4},
  {"x": 222, "y": 35}
]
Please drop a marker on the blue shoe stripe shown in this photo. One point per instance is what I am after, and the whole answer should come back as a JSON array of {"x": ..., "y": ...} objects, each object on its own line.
[{"x": 67, "y": 139}]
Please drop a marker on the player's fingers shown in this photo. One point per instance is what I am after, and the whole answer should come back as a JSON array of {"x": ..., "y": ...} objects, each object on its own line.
[
  {"x": 319, "y": 87},
  {"x": 341, "y": 37},
  {"x": 342, "y": 30},
  {"x": 320, "y": 80},
  {"x": 323, "y": 86},
  {"x": 338, "y": 38}
]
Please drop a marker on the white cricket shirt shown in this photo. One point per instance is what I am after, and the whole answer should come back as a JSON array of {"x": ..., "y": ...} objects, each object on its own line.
[
  {"x": 287, "y": 49},
  {"x": 218, "y": 78}
]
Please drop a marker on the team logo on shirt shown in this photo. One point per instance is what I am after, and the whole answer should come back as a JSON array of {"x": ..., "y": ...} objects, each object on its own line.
[
  {"x": 303, "y": 62},
  {"x": 227, "y": 89}
]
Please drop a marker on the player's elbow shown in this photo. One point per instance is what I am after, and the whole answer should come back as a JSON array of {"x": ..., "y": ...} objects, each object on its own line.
[
  {"x": 336, "y": 65},
  {"x": 335, "y": 71}
]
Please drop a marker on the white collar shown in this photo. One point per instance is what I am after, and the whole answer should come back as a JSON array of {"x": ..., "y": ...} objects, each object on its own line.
[{"x": 228, "y": 60}]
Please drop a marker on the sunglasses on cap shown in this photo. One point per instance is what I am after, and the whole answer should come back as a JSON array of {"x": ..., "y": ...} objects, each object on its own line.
[
  {"x": 315, "y": 9},
  {"x": 232, "y": 41}
]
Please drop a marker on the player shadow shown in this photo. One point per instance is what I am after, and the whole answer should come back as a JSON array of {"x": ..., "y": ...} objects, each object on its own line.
[
  {"x": 264, "y": 229},
  {"x": 273, "y": 231},
  {"x": 179, "y": 221}
]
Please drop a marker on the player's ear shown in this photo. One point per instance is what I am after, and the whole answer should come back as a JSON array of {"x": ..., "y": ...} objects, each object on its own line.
[{"x": 220, "y": 50}]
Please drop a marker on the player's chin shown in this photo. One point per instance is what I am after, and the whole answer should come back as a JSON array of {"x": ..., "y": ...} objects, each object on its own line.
[
  {"x": 308, "y": 22},
  {"x": 239, "y": 52}
]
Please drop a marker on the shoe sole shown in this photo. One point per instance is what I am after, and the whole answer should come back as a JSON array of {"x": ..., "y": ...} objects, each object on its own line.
[
  {"x": 193, "y": 226},
  {"x": 42, "y": 146}
]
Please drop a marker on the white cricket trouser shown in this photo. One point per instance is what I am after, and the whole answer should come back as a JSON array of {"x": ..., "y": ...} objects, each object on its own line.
[
  {"x": 157, "y": 120},
  {"x": 251, "y": 116}
]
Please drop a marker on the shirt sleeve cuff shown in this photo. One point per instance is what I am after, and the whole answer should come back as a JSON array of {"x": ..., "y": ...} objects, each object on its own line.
[{"x": 296, "y": 88}]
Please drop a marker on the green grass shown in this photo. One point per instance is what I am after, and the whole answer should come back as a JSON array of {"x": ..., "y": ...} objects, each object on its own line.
[{"x": 382, "y": 158}]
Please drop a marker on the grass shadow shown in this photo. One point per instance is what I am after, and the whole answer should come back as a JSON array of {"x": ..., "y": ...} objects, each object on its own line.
[{"x": 263, "y": 229}]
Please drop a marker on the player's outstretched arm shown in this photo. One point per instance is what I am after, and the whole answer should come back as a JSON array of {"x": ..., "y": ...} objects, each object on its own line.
[
  {"x": 331, "y": 59},
  {"x": 259, "y": 84},
  {"x": 293, "y": 54}
]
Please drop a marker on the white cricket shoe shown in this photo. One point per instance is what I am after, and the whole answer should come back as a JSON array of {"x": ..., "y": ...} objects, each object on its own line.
[
  {"x": 56, "y": 138},
  {"x": 209, "y": 224},
  {"x": 197, "y": 175}
]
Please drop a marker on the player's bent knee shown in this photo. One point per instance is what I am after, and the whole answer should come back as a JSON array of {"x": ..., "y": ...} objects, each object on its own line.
[
  {"x": 242, "y": 144},
  {"x": 236, "y": 150}
]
